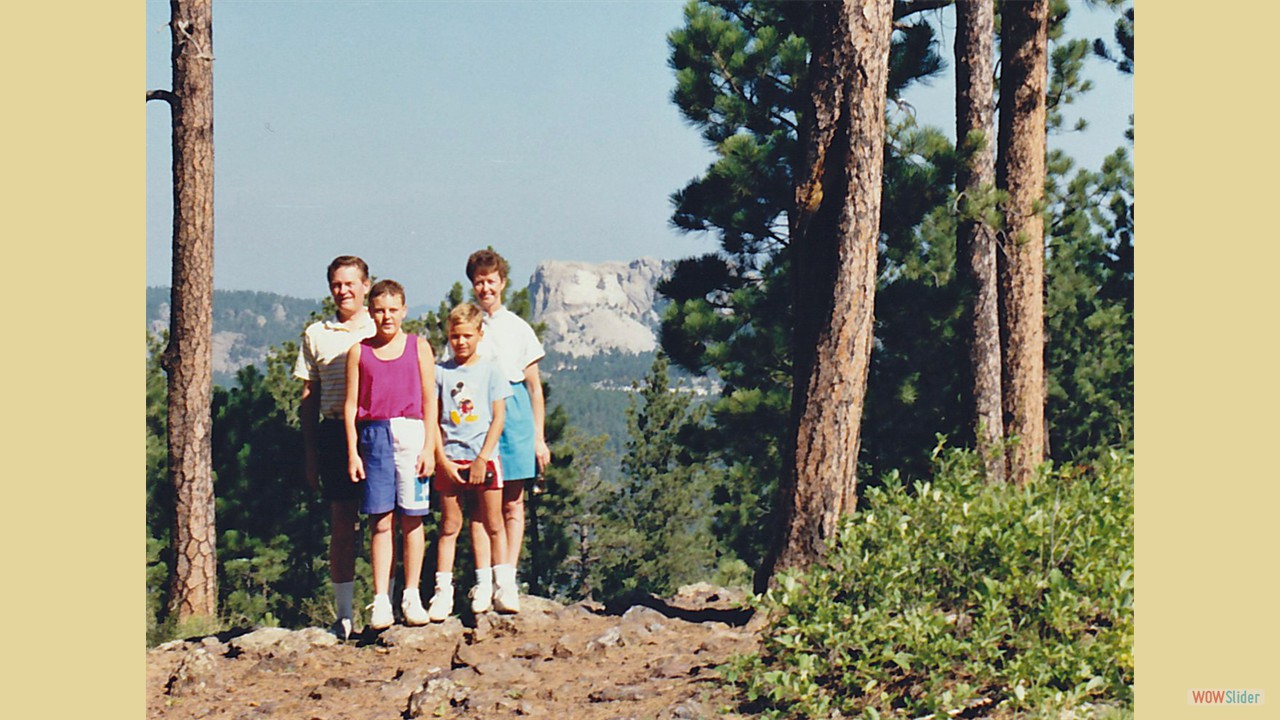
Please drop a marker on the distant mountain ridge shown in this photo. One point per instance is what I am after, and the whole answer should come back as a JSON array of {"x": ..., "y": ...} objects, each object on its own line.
[
  {"x": 591, "y": 310},
  {"x": 246, "y": 325}
]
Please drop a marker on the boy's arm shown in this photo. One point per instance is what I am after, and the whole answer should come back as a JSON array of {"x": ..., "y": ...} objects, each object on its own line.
[
  {"x": 355, "y": 467},
  {"x": 430, "y": 411},
  {"x": 490, "y": 446},
  {"x": 449, "y": 467},
  {"x": 533, "y": 383}
]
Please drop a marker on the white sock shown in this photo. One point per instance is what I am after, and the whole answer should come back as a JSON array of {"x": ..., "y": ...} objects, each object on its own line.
[
  {"x": 343, "y": 594},
  {"x": 444, "y": 581},
  {"x": 382, "y": 598},
  {"x": 484, "y": 577},
  {"x": 504, "y": 575}
]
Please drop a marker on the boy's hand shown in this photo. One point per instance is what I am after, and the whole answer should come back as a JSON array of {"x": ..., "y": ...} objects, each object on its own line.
[
  {"x": 355, "y": 468},
  {"x": 451, "y": 471},
  {"x": 476, "y": 471},
  {"x": 426, "y": 464}
]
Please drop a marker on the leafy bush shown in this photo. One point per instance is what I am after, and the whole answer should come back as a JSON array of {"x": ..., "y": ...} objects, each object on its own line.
[{"x": 955, "y": 594}]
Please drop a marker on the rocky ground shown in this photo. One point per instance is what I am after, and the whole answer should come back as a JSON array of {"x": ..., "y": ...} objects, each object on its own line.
[{"x": 656, "y": 660}]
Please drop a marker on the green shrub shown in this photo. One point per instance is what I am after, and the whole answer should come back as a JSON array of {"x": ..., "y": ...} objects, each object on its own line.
[{"x": 956, "y": 594}]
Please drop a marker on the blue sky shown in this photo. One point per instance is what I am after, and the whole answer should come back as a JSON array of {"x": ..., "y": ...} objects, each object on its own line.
[{"x": 412, "y": 133}]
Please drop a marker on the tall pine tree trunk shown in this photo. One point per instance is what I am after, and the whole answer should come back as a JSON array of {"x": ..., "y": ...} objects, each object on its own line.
[
  {"x": 1020, "y": 171},
  {"x": 976, "y": 239},
  {"x": 834, "y": 233},
  {"x": 188, "y": 360}
]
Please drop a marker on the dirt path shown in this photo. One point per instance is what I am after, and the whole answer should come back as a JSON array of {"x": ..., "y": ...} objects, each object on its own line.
[{"x": 550, "y": 661}]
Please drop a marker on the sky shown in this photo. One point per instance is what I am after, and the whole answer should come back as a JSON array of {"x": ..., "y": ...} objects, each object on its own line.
[{"x": 412, "y": 133}]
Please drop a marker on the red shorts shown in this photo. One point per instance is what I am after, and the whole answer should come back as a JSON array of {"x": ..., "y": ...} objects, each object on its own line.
[{"x": 493, "y": 479}]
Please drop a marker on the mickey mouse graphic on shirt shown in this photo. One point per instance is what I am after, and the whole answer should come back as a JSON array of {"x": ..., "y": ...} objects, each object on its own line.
[{"x": 465, "y": 404}]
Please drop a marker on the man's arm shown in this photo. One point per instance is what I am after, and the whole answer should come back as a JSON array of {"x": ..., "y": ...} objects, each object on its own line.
[{"x": 309, "y": 418}]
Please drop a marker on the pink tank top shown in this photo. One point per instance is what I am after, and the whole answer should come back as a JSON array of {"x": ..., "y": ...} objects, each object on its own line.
[{"x": 390, "y": 388}]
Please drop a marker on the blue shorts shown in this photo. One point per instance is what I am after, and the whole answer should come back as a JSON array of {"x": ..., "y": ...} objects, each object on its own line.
[
  {"x": 389, "y": 450},
  {"x": 516, "y": 446}
]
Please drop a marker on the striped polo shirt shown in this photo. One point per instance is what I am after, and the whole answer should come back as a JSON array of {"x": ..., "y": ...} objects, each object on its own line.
[{"x": 322, "y": 359}]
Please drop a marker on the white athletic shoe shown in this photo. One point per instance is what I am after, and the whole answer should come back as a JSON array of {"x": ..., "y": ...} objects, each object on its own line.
[
  {"x": 411, "y": 608},
  {"x": 441, "y": 605},
  {"x": 481, "y": 599},
  {"x": 506, "y": 599},
  {"x": 382, "y": 617}
]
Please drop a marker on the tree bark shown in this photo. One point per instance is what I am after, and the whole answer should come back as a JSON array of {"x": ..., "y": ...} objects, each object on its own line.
[
  {"x": 188, "y": 359},
  {"x": 1020, "y": 172},
  {"x": 834, "y": 234},
  {"x": 975, "y": 238}
]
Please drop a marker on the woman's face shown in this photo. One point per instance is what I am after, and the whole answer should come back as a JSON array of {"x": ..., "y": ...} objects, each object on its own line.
[{"x": 488, "y": 288}]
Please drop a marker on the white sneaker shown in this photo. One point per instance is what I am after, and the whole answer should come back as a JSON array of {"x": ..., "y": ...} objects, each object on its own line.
[
  {"x": 341, "y": 628},
  {"x": 441, "y": 605},
  {"x": 411, "y": 608},
  {"x": 481, "y": 598},
  {"x": 381, "y": 618},
  {"x": 506, "y": 599}
]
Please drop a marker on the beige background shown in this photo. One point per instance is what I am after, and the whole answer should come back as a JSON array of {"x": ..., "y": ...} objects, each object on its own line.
[
  {"x": 73, "y": 226},
  {"x": 1208, "y": 390},
  {"x": 72, "y": 608}
]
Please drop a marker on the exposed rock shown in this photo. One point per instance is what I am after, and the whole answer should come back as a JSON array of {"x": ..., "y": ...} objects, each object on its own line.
[
  {"x": 492, "y": 625},
  {"x": 592, "y": 308},
  {"x": 688, "y": 710},
  {"x": 611, "y": 638},
  {"x": 674, "y": 667},
  {"x": 506, "y": 673},
  {"x": 465, "y": 655},
  {"x": 197, "y": 671},
  {"x": 705, "y": 596},
  {"x": 531, "y": 650},
  {"x": 172, "y": 646},
  {"x": 408, "y": 680},
  {"x": 614, "y": 693},
  {"x": 639, "y": 616},
  {"x": 422, "y": 636},
  {"x": 435, "y": 698},
  {"x": 279, "y": 641}
]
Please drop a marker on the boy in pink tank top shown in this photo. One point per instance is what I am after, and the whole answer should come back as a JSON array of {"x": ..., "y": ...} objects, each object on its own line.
[{"x": 390, "y": 405}]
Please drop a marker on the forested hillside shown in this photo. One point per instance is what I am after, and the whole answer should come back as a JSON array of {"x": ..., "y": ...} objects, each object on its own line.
[{"x": 246, "y": 324}]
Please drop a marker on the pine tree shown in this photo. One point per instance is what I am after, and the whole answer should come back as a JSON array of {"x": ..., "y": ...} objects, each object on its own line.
[
  {"x": 188, "y": 360},
  {"x": 655, "y": 534},
  {"x": 976, "y": 234},
  {"x": 740, "y": 69},
  {"x": 1020, "y": 174},
  {"x": 835, "y": 233}
]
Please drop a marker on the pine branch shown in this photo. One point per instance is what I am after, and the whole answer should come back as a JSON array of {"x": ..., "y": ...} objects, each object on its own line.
[
  {"x": 910, "y": 7},
  {"x": 164, "y": 95}
]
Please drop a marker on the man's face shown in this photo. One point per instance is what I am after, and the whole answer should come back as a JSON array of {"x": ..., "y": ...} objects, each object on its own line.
[
  {"x": 348, "y": 288},
  {"x": 488, "y": 289}
]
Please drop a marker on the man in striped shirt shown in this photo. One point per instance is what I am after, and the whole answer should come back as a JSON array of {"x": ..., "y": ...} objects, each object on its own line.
[{"x": 322, "y": 367}]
